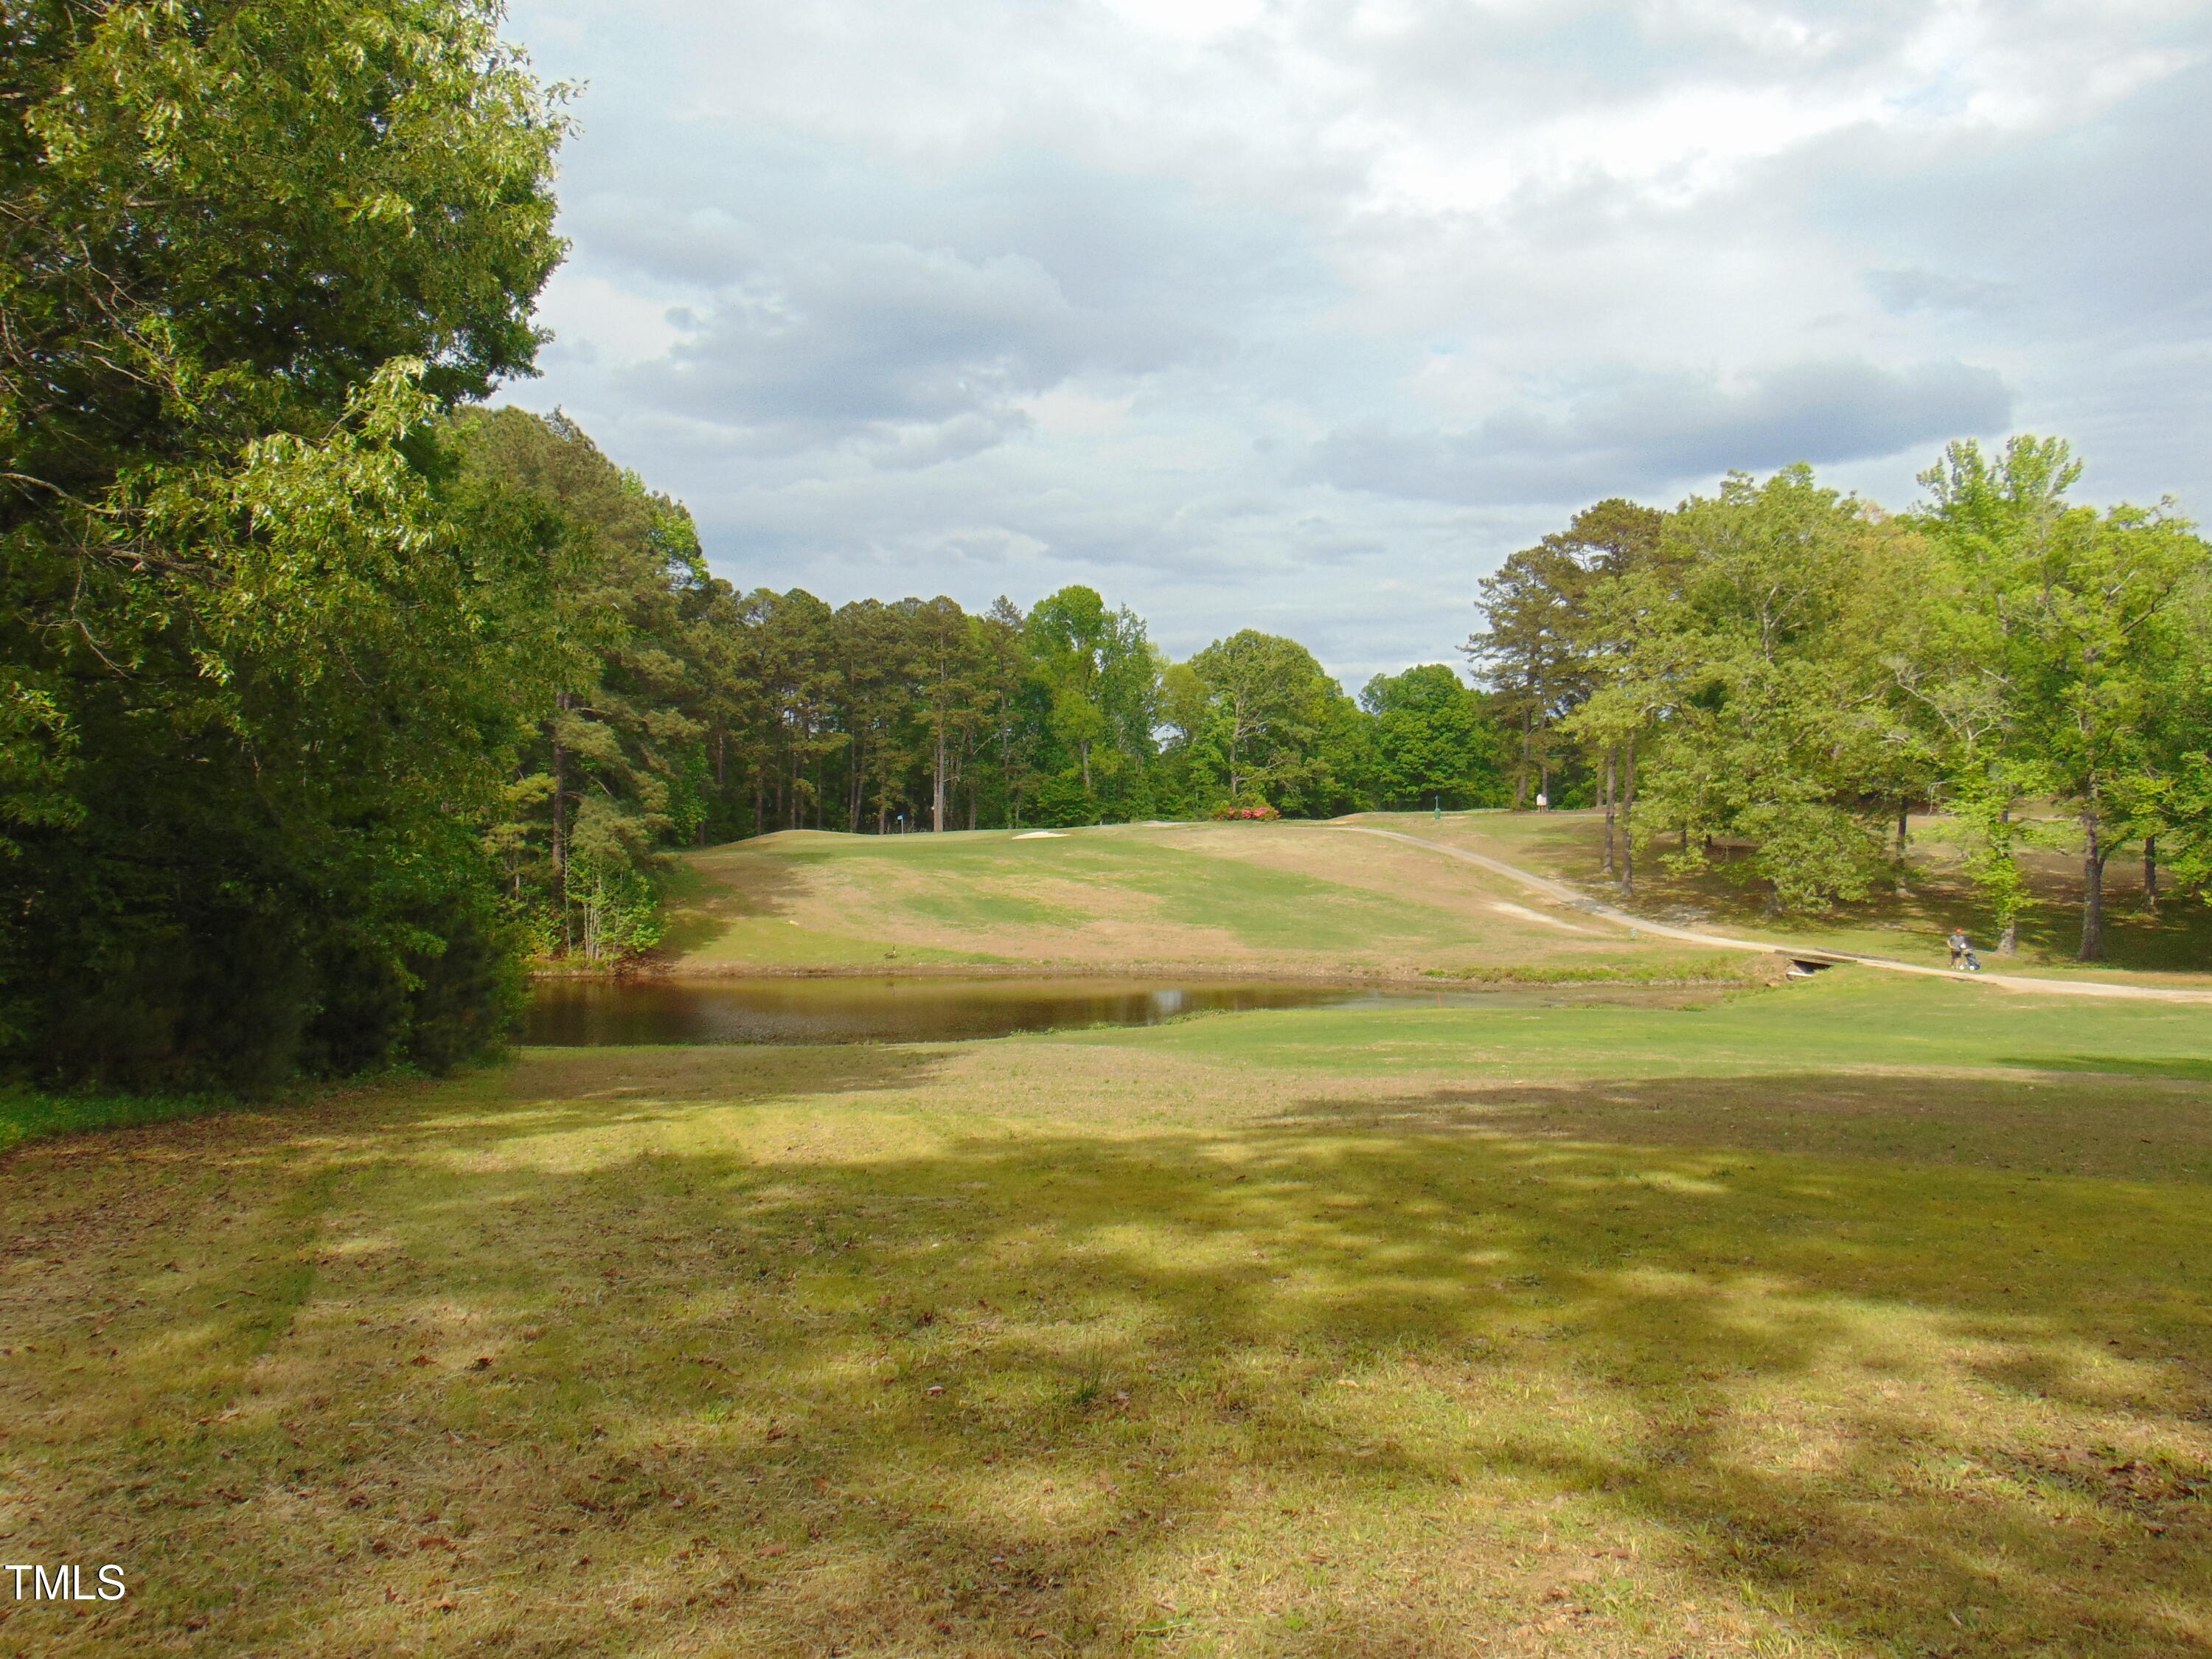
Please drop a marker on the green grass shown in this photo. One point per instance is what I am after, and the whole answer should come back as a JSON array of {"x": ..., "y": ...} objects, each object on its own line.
[
  {"x": 1863, "y": 1317},
  {"x": 30, "y": 1113},
  {"x": 1733, "y": 969},
  {"x": 1241, "y": 896},
  {"x": 1848, "y": 1016}
]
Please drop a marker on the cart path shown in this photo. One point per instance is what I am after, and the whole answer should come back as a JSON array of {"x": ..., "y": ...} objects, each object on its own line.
[{"x": 1560, "y": 893}]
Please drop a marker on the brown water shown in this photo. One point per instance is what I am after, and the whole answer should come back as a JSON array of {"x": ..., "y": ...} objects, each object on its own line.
[{"x": 574, "y": 1013}]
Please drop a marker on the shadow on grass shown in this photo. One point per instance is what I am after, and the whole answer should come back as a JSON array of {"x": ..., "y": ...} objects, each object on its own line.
[
  {"x": 1507, "y": 1373},
  {"x": 2105, "y": 1130},
  {"x": 703, "y": 892},
  {"x": 2187, "y": 1071}
]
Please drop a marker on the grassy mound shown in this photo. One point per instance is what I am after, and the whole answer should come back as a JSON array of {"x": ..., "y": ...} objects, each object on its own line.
[
  {"x": 1238, "y": 897},
  {"x": 1859, "y": 1317}
]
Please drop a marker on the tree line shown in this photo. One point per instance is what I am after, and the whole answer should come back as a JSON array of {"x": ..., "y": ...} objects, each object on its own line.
[
  {"x": 701, "y": 713},
  {"x": 1770, "y": 681}
]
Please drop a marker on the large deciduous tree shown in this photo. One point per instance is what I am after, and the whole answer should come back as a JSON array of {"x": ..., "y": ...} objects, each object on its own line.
[
  {"x": 2072, "y": 674},
  {"x": 1750, "y": 663},
  {"x": 1434, "y": 740},
  {"x": 1099, "y": 679},
  {"x": 1259, "y": 722},
  {"x": 258, "y": 670}
]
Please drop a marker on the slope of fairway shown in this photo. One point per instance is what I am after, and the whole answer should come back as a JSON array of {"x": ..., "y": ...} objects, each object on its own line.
[
  {"x": 1862, "y": 1318},
  {"x": 1246, "y": 899}
]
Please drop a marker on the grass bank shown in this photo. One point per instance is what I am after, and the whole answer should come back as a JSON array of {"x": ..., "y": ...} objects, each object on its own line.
[
  {"x": 1238, "y": 899},
  {"x": 1860, "y": 1318}
]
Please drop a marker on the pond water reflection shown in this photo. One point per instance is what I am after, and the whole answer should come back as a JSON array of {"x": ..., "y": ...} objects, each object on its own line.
[{"x": 571, "y": 1013}]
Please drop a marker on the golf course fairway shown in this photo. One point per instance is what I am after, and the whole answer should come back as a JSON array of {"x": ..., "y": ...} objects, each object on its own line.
[
  {"x": 1864, "y": 1316},
  {"x": 1282, "y": 898}
]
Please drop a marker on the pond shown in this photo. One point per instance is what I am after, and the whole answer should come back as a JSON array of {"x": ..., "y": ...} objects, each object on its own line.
[{"x": 572, "y": 1013}]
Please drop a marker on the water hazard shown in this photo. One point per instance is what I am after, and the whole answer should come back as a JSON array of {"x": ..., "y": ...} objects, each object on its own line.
[{"x": 573, "y": 1013}]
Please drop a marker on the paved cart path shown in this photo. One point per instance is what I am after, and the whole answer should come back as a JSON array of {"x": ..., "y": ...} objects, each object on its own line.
[{"x": 1560, "y": 893}]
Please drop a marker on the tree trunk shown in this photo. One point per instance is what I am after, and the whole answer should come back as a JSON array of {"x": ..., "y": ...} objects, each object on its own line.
[
  {"x": 1903, "y": 892},
  {"x": 2008, "y": 941},
  {"x": 1628, "y": 821},
  {"x": 937, "y": 786},
  {"x": 1612, "y": 765},
  {"x": 514, "y": 854},
  {"x": 561, "y": 832},
  {"x": 2150, "y": 874},
  {"x": 2093, "y": 854},
  {"x": 1544, "y": 787}
]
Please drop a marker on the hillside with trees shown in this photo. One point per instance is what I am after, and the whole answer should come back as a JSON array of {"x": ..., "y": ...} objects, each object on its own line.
[{"x": 1768, "y": 681}]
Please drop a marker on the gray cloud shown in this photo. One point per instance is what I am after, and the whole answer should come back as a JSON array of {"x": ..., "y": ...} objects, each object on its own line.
[
  {"x": 1651, "y": 431},
  {"x": 1902, "y": 292},
  {"x": 846, "y": 336}
]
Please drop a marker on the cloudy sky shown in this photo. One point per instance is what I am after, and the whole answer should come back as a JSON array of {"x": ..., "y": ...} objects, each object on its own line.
[{"x": 1302, "y": 314}]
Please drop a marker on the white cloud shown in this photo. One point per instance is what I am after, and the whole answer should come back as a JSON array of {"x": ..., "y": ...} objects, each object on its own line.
[
  {"x": 1304, "y": 312},
  {"x": 1065, "y": 412},
  {"x": 605, "y": 324},
  {"x": 1187, "y": 20}
]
